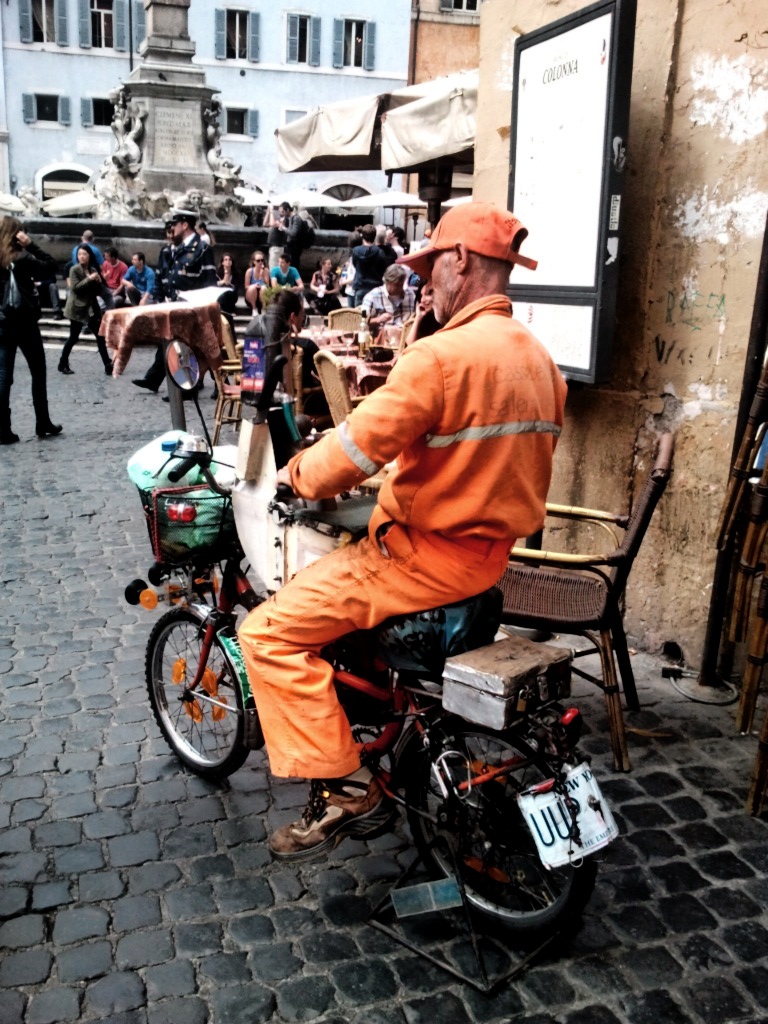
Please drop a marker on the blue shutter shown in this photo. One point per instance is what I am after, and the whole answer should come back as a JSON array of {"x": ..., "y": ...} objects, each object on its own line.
[
  {"x": 292, "y": 54},
  {"x": 86, "y": 112},
  {"x": 84, "y": 18},
  {"x": 65, "y": 110},
  {"x": 120, "y": 25},
  {"x": 62, "y": 30},
  {"x": 252, "y": 123},
  {"x": 25, "y": 21},
  {"x": 369, "y": 46},
  {"x": 221, "y": 34},
  {"x": 314, "y": 42},
  {"x": 254, "y": 26},
  {"x": 338, "y": 43},
  {"x": 139, "y": 24},
  {"x": 28, "y": 107}
]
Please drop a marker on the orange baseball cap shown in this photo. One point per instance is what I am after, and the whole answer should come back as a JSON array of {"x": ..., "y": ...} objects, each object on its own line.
[{"x": 483, "y": 228}]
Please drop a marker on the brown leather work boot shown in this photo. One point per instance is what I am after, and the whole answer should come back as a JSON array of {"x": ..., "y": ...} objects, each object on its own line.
[{"x": 336, "y": 808}]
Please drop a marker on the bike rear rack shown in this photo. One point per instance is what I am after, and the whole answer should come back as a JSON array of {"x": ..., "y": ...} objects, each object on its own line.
[{"x": 448, "y": 898}]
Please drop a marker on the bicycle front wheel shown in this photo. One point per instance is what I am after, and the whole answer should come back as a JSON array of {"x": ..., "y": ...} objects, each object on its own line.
[
  {"x": 492, "y": 846},
  {"x": 203, "y": 726}
]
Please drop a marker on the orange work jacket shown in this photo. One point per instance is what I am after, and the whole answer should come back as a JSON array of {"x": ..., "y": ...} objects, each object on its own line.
[{"x": 472, "y": 415}]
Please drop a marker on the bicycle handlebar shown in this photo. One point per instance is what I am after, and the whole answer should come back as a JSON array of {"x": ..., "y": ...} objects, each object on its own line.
[{"x": 188, "y": 463}]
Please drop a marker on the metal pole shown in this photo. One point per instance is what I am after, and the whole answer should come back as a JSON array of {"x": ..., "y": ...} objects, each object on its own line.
[{"x": 130, "y": 35}]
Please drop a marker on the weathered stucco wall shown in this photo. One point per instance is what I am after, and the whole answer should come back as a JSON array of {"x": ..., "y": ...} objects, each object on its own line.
[{"x": 694, "y": 213}]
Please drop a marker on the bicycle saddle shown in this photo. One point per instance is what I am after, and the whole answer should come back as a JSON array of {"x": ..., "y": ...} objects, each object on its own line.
[{"x": 421, "y": 641}]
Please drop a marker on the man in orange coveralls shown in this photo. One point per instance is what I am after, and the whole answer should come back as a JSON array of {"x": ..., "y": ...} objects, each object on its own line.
[{"x": 472, "y": 415}]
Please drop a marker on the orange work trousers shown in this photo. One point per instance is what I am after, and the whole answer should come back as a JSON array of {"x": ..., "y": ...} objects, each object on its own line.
[{"x": 355, "y": 587}]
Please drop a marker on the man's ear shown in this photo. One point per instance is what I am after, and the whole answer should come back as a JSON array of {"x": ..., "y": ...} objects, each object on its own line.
[{"x": 463, "y": 257}]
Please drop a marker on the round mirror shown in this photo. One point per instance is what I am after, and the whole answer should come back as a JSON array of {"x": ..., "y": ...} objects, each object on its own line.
[{"x": 183, "y": 366}]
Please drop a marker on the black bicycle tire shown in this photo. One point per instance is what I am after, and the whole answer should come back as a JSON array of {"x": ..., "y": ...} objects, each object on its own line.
[
  {"x": 531, "y": 926},
  {"x": 214, "y": 769}
]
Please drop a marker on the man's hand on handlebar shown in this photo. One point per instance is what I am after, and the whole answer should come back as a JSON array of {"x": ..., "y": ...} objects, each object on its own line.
[{"x": 284, "y": 478}]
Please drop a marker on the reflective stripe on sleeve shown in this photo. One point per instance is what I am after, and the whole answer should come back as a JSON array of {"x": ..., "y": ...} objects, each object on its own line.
[
  {"x": 354, "y": 454},
  {"x": 493, "y": 430}
]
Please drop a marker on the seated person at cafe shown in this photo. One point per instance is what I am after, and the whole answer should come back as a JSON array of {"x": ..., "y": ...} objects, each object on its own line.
[
  {"x": 138, "y": 284},
  {"x": 286, "y": 276},
  {"x": 392, "y": 303},
  {"x": 324, "y": 288}
]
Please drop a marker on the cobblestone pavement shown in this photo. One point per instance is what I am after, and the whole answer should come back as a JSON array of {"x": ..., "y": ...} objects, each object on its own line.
[{"x": 134, "y": 892}]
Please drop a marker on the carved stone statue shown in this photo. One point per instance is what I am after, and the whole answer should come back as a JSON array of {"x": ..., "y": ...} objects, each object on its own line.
[
  {"x": 32, "y": 204},
  {"x": 128, "y": 129}
]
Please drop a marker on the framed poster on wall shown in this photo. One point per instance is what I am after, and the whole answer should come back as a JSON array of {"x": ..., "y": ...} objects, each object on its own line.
[{"x": 570, "y": 117}]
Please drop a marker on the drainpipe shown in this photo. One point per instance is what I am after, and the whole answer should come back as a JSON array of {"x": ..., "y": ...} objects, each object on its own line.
[{"x": 415, "y": 17}]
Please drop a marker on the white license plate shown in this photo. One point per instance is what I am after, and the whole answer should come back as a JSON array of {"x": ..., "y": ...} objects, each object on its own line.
[{"x": 549, "y": 820}]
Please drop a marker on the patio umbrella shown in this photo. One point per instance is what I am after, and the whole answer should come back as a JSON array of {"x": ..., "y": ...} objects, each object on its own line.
[
  {"x": 391, "y": 198},
  {"x": 11, "y": 204},
  {"x": 305, "y": 197},
  {"x": 458, "y": 201},
  {"x": 82, "y": 201},
  {"x": 390, "y": 131}
]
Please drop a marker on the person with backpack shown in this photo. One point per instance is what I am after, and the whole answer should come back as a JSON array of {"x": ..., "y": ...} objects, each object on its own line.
[{"x": 299, "y": 235}]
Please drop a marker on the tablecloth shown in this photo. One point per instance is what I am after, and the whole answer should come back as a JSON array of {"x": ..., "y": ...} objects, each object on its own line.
[{"x": 198, "y": 326}]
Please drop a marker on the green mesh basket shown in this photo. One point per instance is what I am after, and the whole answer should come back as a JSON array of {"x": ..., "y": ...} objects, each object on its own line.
[{"x": 190, "y": 524}]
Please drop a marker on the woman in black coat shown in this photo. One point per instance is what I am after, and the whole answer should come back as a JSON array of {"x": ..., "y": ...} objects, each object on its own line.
[{"x": 18, "y": 327}]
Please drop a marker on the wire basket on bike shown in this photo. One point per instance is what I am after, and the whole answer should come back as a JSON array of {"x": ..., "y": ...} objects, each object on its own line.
[{"x": 189, "y": 524}]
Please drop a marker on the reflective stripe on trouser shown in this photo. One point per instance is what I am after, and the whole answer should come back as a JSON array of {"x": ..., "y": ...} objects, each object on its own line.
[{"x": 355, "y": 587}]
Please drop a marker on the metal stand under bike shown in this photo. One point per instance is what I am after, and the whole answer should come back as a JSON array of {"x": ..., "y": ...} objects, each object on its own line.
[{"x": 405, "y": 901}]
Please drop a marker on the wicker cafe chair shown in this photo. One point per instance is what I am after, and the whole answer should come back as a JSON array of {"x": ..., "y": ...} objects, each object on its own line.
[
  {"x": 333, "y": 378},
  {"x": 581, "y": 593},
  {"x": 297, "y": 376},
  {"x": 347, "y": 319},
  {"x": 229, "y": 406}
]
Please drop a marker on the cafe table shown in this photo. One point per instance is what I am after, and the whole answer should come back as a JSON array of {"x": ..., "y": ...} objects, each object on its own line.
[
  {"x": 198, "y": 326},
  {"x": 162, "y": 323},
  {"x": 363, "y": 375}
]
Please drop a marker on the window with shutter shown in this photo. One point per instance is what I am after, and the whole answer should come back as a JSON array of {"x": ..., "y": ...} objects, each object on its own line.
[
  {"x": 120, "y": 26},
  {"x": 369, "y": 46},
  {"x": 102, "y": 15},
  {"x": 62, "y": 27},
  {"x": 25, "y": 21},
  {"x": 237, "y": 35},
  {"x": 354, "y": 46},
  {"x": 314, "y": 42},
  {"x": 254, "y": 35},
  {"x": 84, "y": 22},
  {"x": 28, "y": 107},
  {"x": 252, "y": 124},
  {"x": 65, "y": 114},
  {"x": 292, "y": 55},
  {"x": 338, "y": 43},
  {"x": 47, "y": 108},
  {"x": 86, "y": 112},
  {"x": 220, "y": 23},
  {"x": 139, "y": 24}
]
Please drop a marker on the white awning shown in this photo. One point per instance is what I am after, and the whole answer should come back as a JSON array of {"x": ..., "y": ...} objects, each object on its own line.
[{"x": 390, "y": 131}]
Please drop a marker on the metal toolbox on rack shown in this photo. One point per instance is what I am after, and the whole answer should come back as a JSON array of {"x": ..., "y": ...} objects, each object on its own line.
[{"x": 492, "y": 684}]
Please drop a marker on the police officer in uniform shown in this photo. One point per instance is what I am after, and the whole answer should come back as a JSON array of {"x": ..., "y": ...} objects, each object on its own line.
[{"x": 185, "y": 264}]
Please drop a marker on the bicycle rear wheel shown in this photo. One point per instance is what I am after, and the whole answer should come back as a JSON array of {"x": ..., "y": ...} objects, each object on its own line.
[
  {"x": 204, "y": 727},
  {"x": 496, "y": 856}
]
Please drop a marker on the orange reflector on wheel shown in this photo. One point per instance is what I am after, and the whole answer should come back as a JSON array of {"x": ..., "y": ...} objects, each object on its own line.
[
  {"x": 194, "y": 710},
  {"x": 218, "y": 713},
  {"x": 210, "y": 682},
  {"x": 148, "y": 599},
  {"x": 179, "y": 671},
  {"x": 496, "y": 874}
]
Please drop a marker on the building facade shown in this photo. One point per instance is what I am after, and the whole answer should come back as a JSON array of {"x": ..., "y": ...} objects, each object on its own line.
[{"x": 61, "y": 59}]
